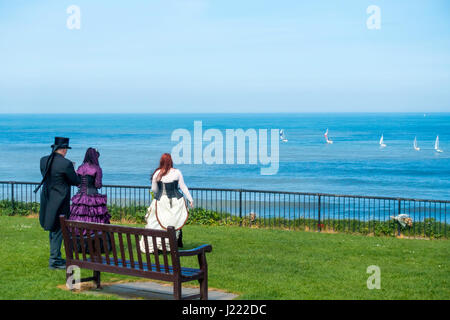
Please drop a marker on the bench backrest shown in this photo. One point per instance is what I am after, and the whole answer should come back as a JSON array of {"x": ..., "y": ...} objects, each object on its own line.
[{"x": 93, "y": 250}]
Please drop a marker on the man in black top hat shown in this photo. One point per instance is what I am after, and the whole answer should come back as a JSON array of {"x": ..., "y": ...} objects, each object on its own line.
[{"x": 58, "y": 175}]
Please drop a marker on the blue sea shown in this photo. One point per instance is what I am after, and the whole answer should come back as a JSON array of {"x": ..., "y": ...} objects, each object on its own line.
[{"x": 131, "y": 145}]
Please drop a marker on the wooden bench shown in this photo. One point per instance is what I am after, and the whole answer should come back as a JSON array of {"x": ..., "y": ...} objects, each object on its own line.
[{"x": 123, "y": 254}]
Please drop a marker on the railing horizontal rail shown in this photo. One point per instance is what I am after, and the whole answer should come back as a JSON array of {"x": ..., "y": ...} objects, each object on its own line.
[
  {"x": 293, "y": 210},
  {"x": 262, "y": 191}
]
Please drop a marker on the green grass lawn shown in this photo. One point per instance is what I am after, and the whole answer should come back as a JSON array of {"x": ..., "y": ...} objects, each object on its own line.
[{"x": 255, "y": 263}]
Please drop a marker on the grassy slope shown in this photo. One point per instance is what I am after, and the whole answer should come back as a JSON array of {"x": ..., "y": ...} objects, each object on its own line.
[{"x": 258, "y": 264}]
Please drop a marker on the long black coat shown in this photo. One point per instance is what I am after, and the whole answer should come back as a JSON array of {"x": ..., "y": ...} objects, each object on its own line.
[{"x": 55, "y": 195}]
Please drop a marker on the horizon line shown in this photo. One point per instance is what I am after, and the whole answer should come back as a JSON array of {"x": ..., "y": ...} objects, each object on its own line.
[{"x": 209, "y": 112}]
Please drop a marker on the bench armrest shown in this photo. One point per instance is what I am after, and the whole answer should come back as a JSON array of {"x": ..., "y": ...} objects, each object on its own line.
[{"x": 196, "y": 251}]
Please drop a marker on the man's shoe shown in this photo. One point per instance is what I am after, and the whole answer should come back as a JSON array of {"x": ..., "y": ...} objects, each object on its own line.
[{"x": 62, "y": 261}]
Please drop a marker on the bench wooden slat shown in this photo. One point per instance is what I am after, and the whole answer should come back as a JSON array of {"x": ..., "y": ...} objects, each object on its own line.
[
  {"x": 156, "y": 253},
  {"x": 130, "y": 249},
  {"x": 105, "y": 245},
  {"x": 74, "y": 244},
  {"x": 186, "y": 272},
  {"x": 147, "y": 250},
  {"x": 164, "y": 250},
  {"x": 83, "y": 246},
  {"x": 113, "y": 245},
  {"x": 98, "y": 251},
  {"x": 138, "y": 251},
  {"x": 129, "y": 271},
  {"x": 122, "y": 250},
  {"x": 90, "y": 247}
]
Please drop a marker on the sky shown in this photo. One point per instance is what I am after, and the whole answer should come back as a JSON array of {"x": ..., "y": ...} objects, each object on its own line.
[{"x": 224, "y": 56}]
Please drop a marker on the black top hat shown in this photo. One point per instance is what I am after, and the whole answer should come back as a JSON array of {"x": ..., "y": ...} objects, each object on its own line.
[{"x": 61, "y": 143}]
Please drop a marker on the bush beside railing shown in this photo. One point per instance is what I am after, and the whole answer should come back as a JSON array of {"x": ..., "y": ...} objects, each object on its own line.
[
  {"x": 10, "y": 208},
  {"x": 429, "y": 228}
]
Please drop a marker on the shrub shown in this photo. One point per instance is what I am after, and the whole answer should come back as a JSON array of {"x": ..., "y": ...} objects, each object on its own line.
[
  {"x": 203, "y": 217},
  {"x": 8, "y": 208}
]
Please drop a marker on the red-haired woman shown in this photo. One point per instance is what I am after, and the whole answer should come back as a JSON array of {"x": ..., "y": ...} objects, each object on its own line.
[{"x": 168, "y": 207}]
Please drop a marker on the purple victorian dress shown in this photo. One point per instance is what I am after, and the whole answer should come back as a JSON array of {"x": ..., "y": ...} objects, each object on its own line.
[{"x": 88, "y": 205}]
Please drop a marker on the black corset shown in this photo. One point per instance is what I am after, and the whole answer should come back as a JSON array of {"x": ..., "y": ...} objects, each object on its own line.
[
  {"x": 88, "y": 185},
  {"x": 171, "y": 189}
]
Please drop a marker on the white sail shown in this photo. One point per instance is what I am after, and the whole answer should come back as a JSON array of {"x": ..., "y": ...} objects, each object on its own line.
[
  {"x": 415, "y": 144},
  {"x": 283, "y": 136},
  {"x": 326, "y": 137},
  {"x": 436, "y": 145},
  {"x": 382, "y": 144}
]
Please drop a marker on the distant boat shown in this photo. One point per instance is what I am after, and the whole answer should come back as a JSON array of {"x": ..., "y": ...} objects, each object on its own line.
[
  {"x": 326, "y": 137},
  {"x": 283, "y": 136},
  {"x": 382, "y": 144},
  {"x": 436, "y": 145},
  {"x": 415, "y": 144}
]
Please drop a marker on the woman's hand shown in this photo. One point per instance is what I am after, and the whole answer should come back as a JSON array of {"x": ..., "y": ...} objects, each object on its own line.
[{"x": 191, "y": 204}]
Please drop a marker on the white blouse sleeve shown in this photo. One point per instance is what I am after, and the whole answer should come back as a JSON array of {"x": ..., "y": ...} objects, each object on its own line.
[
  {"x": 154, "y": 183},
  {"x": 183, "y": 186}
]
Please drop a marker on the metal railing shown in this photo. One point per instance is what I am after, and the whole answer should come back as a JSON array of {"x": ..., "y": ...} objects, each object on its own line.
[{"x": 290, "y": 210}]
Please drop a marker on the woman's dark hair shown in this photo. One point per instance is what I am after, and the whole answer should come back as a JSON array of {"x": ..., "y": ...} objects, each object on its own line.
[
  {"x": 91, "y": 156},
  {"x": 165, "y": 164}
]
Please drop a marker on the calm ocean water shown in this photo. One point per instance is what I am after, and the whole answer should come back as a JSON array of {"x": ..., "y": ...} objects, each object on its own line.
[{"x": 131, "y": 144}]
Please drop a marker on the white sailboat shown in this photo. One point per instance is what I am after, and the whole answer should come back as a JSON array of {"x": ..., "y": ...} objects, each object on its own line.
[
  {"x": 283, "y": 136},
  {"x": 415, "y": 144},
  {"x": 436, "y": 145},
  {"x": 382, "y": 144},
  {"x": 326, "y": 137}
]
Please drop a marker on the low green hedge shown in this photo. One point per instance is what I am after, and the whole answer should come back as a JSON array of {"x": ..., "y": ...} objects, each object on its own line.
[
  {"x": 429, "y": 228},
  {"x": 8, "y": 208}
]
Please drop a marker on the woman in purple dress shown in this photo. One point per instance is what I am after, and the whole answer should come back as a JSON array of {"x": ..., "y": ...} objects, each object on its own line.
[{"x": 88, "y": 205}]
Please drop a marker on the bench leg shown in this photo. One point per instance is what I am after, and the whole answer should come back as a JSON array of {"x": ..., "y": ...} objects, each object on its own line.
[
  {"x": 204, "y": 281},
  {"x": 177, "y": 290},
  {"x": 97, "y": 279},
  {"x": 203, "y": 288}
]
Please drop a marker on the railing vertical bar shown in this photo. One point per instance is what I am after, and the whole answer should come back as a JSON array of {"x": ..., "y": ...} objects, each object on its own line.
[
  {"x": 445, "y": 220},
  {"x": 318, "y": 213},
  {"x": 334, "y": 213},
  {"x": 12, "y": 198}
]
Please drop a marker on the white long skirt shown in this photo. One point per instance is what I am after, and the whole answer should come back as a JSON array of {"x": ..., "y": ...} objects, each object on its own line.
[{"x": 162, "y": 214}]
